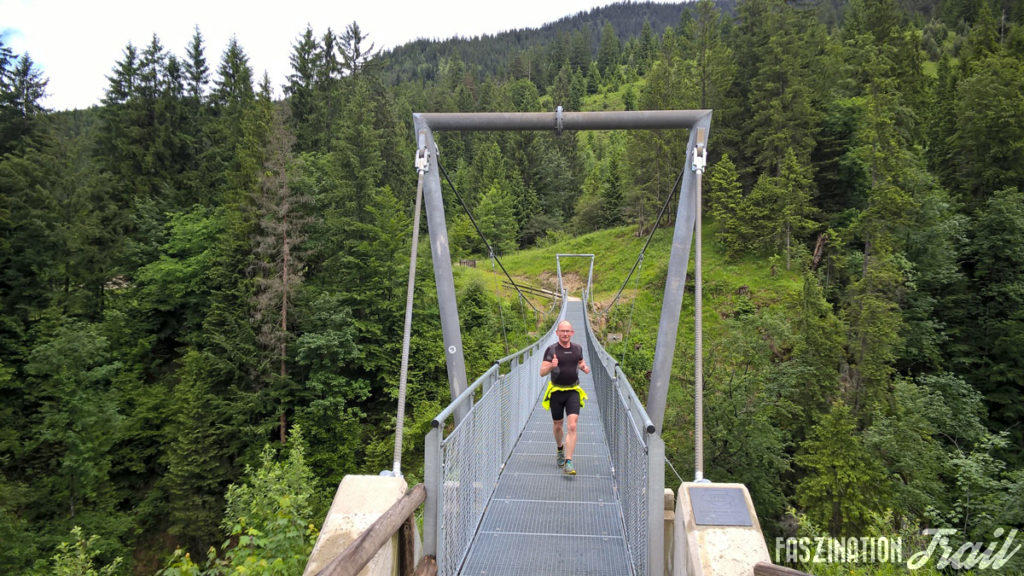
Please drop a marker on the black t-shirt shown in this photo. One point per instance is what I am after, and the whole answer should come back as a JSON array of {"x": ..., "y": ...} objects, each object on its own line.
[{"x": 568, "y": 361}]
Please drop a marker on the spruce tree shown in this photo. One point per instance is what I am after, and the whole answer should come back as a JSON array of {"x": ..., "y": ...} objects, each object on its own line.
[
  {"x": 197, "y": 73},
  {"x": 278, "y": 253},
  {"x": 609, "y": 50},
  {"x": 301, "y": 91},
  {"x": 838, "y": 467},
  {"x": 354, "y": 51}
]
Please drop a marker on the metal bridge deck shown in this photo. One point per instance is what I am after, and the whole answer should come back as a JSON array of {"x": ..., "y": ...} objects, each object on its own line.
[{"x": 542, "y": 521}]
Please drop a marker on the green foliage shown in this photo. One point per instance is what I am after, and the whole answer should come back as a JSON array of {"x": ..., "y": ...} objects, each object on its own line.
[
  {"x": 78, "y": 558},
  {"x": 270, "y": 515},
  {"x": 994, "y": 327},
  {"x": 990, "y": 130},
  {"x": 267, "y": 520},
  {"x": 838, "y": 467},
  {"x": 496, "y": 217}
]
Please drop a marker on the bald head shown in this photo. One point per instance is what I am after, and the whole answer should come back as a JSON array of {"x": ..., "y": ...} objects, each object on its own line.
[{"x": 564, "y": 332}]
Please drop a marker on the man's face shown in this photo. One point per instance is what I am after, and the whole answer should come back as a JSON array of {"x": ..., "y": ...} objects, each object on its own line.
[{"x": 565, "y": 333}]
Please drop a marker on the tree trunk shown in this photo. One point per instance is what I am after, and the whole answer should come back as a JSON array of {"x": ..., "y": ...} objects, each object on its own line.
[
  {"x": 284, "y": 325},
  {"x": 787, "y": 246},
  {"x": 867, "y": 255}
]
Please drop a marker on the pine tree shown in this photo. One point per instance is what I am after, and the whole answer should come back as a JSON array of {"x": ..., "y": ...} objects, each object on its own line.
[
  {"x": 646, "y": 48},
  {"x": 278, "y": 251},
  {"x": 195, "y": 454},
  {"x": 838, "y": 468},
  {"x": 785, "y": 76},
  {"x": 301, "y": 90},
  {"x": 27, "y": 88},
  {"x": 593, "y": 79},
  {"x": 354, "y": 51},
  {"x": 496, "y": 217},
  {"x": 794, "y": 207},
  {"x": 233, "y": 85},
  {"x": 715, "y": 64},
  {"x": 726, "y": 204},
  {"x": 197, "y": 73},
  {"x": 611, "y": 195},
  {"x": 579, "y": 49},
  {"x": 609, "y": 51}
]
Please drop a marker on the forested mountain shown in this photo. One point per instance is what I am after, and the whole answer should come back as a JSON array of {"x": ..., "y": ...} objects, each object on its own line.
[
  {"x": 202, "y": 287},
  {"x": 575, "y": 37}
]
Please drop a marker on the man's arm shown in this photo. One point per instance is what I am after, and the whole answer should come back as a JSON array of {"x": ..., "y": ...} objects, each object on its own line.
[
  {"x": 547, "y": 366},
  {"x": 583, "y": 366}
]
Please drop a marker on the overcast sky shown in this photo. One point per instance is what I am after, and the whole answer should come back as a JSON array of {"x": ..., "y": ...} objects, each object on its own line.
[{"x": 76, "y": 43}]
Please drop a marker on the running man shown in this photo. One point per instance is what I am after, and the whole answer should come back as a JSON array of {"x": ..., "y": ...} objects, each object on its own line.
[{"x": 563, "y": 395}]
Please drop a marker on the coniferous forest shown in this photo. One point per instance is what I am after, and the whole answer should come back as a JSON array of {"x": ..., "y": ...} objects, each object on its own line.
[{"x": 202, "y": 279}]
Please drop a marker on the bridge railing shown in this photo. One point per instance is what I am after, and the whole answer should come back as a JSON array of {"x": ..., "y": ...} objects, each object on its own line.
[
  {"x": 638, "y": 459},
  {"x": 463, "y": 460}
]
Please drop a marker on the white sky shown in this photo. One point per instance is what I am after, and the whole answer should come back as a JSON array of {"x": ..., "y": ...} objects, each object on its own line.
[{"x": 76, "y": 43}]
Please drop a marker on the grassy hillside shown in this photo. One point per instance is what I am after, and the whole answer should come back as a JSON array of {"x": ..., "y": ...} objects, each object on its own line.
[{"x": 738, "y": 297}]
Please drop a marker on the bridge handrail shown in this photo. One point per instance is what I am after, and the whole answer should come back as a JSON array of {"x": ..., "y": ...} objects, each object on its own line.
[
  {"x": 462, "y": 464},
  {"x": 637, "y": 454},
  {"x": 466, "y": 395}
]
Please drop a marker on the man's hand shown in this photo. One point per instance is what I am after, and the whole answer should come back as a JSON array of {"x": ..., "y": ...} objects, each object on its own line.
[
  {"x": 554, "y": 360},
  {"x": 583, "y": 366}
]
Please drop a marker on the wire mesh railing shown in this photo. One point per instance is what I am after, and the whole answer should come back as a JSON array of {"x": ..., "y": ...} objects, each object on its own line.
[
  {"x": 465, "y": 458},
  {"x": 637, "y": 454}
]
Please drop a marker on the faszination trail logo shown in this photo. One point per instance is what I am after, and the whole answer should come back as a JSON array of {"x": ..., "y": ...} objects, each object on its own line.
[{"x": 882, "y": 550}]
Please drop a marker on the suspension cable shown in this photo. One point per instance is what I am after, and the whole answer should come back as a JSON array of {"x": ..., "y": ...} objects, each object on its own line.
[
  {"x": 501, "y": 313},
  {"x": 480, "y": 233},
  {"x": 639, "y": 257},
  {"x": 422, "y": 165},
  {"x": 673, "y": 469},
  {"x": 632, "y": 306},
  {"x": 699, "y": 164}
]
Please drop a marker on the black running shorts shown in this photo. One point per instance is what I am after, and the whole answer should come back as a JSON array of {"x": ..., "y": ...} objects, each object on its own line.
[{"x": 564, "y": 402}]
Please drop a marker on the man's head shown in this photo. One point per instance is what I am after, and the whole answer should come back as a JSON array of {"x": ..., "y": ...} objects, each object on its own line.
[{"x": 564, "y": 332}]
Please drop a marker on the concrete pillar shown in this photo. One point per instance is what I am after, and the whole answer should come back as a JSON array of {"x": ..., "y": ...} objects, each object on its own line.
[
  {"x": 716, "y": 548},
  {"x": 359, "y": 501}
]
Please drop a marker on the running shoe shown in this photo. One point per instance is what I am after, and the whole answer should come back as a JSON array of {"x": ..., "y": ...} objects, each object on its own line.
[
  {"x": 569, "y": 468},
  {"x": 561, "y": 457}
]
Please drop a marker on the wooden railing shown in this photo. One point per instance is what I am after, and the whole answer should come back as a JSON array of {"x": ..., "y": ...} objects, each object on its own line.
[
  {"x": 398, "y": 519},
  {"x": 769, "y": 569}
]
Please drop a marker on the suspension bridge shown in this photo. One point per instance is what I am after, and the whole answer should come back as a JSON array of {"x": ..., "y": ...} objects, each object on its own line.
[{"x": 494, "y": 501}]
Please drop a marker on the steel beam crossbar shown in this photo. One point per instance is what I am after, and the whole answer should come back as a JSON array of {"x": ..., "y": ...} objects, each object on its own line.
[
  {"x": 612, "y": 120},
  {"x": 590, "y": 273}
]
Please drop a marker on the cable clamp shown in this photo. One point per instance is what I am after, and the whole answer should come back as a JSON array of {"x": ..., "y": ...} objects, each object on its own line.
[
  {"x": 423, "y": 160},
  {"x": 700, "y": 159}
]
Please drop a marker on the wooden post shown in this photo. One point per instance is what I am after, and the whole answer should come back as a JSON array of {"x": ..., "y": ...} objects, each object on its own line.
[
  {"x": 363, "y": 549},
  {"x": 406, "y": 547},
  {"x": 768, "y": 569}
]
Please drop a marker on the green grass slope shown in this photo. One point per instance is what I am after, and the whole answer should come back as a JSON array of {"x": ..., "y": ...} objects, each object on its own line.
[{"x": 731, "y": 288}]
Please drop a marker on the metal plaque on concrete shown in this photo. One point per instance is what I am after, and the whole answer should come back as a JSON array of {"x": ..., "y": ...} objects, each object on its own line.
[{"x": 719, "y": 506}]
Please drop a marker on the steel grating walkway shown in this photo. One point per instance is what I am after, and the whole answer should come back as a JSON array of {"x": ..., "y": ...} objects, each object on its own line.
[{"x": 541, "y": 521}]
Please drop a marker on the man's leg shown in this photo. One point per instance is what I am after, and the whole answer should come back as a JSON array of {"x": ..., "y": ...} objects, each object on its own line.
[
  {"x": 558, "y": 432},
  {"x": 570, "y": 436}
]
